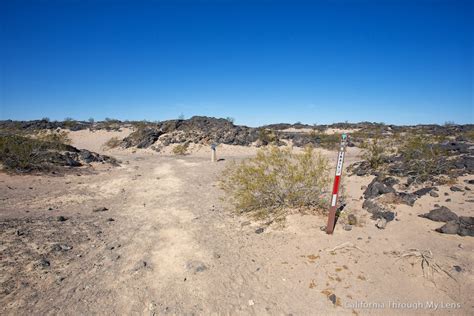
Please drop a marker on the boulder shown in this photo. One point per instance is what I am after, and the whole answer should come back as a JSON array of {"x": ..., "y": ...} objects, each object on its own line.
[
  {"x": 441, "y": 214},
  {"x": 376, "y": 188}
]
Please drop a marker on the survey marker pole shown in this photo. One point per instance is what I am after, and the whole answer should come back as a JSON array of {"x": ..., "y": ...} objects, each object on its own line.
[
  {"x": 335, "y": 188},
  {"x": 213, "y": 153}
]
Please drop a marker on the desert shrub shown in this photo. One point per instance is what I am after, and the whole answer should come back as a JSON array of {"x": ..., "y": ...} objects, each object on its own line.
[
  {"x": 266, "y": 136},
  {"x": 56, "y": 137},
  {"x": 111, "y": 124},
  {"x": 69, "y": 122},
  {"x": 469, "y": 135},
  {"x": 181, "y": 149},
  {"x": 327, "y": 141},
  {"x": 276, "y": 180},
  {"x": 374, "y": 153},
  {"x": 23, "y": 153},
  {"x": 422, "y": 158},
  {"x": 230, "y": 119},
  {"x": 113, "y": 142}
]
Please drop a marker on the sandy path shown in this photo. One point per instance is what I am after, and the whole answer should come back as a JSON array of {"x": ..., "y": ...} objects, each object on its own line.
[{"x": 175, "y": 247}]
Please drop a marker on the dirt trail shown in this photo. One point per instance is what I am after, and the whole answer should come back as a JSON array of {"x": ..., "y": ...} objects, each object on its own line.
[{"x": 175, "y": 247}]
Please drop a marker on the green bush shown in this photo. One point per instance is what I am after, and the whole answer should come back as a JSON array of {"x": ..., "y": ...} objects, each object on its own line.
[{"x": 276, "y": 180}]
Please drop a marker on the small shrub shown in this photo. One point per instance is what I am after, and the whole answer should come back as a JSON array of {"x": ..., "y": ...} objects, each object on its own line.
[
  {"x": 57, "y": 138},
  {"x": 230, "y": 119},
  {"x": 374, "y": 153},
  {"x": 114, "y": 142},
  {"x": 327, "y": 141},
  {"x": 111, "y": 124},
  {"x": 275, "y": 180},
  {"x": 422, "y": 157},
  {"x": 266, "y": 137},
  {"x": 181, "y": 149},
  {"x": 25, "y": 154},
  {"x": 69, "y": 122}
]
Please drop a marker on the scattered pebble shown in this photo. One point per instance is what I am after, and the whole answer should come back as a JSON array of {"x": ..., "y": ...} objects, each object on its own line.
[
  {"x": 381, "y": 223},
  {"x": 259, "y": 230},
  {"x": 434, "y": 194},
  {"x": 456, "y": 189},
  {"x": 100, "y": 209}
]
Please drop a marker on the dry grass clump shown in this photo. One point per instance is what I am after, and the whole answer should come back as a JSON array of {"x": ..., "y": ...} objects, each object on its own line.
[
  {"x": 113, "y": 142},
  {"x": 276, "y": 180},
  {"x": 181, "y": 149}
]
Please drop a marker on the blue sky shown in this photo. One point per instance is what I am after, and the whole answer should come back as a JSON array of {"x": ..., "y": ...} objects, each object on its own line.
[{"x": 401, "y": 62}]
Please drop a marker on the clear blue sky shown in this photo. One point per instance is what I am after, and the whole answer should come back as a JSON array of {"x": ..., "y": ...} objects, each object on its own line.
[{"x": 260, "y": 62}]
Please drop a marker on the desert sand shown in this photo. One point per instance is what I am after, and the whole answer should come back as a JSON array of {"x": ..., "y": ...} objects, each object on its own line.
[{"x": 170, "y": 243}]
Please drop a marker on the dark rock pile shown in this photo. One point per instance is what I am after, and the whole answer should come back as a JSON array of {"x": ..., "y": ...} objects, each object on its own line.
[
  {"x": 198, "y": 130},
  {"x": 43, "y": 125},
  {"x": 381, "y": 191},
  {"x": 23, "y": 154},
  {"x": 454, "y": 224},
  {"x": 458, "y": 160}
]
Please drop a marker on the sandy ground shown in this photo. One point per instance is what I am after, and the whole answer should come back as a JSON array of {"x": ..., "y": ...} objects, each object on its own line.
[{"x": 170, "y": 243}]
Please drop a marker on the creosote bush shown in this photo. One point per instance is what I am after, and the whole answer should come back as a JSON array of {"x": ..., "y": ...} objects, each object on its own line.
[
  {"x": 374, "y": 153},
  {"x": 277, "y": 180},
  {"x": 181, "y": 149}
]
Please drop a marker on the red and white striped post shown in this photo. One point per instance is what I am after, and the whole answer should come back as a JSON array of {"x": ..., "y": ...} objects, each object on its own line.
[{"x": 335, "y": 188}]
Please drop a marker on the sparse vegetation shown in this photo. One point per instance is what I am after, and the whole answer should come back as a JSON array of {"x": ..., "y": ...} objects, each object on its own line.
[
  {"x": 55, "y": 137},
  {"x": 374, "y": 153},
  {"x": 69, "y": 122},
  {"x": 111, "y": 124},
  {"x": 327, "y": 141},
  {"x": 114, "y": 142},
  {"x": 181, "y": 149},
  {"x": 422, "y": 157},
  {"x": 230, "y": 119},
  {"x": 276, "y": 180},
  {"x": 266, "y": 137},
  {"x": 25, "y": 154}
]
